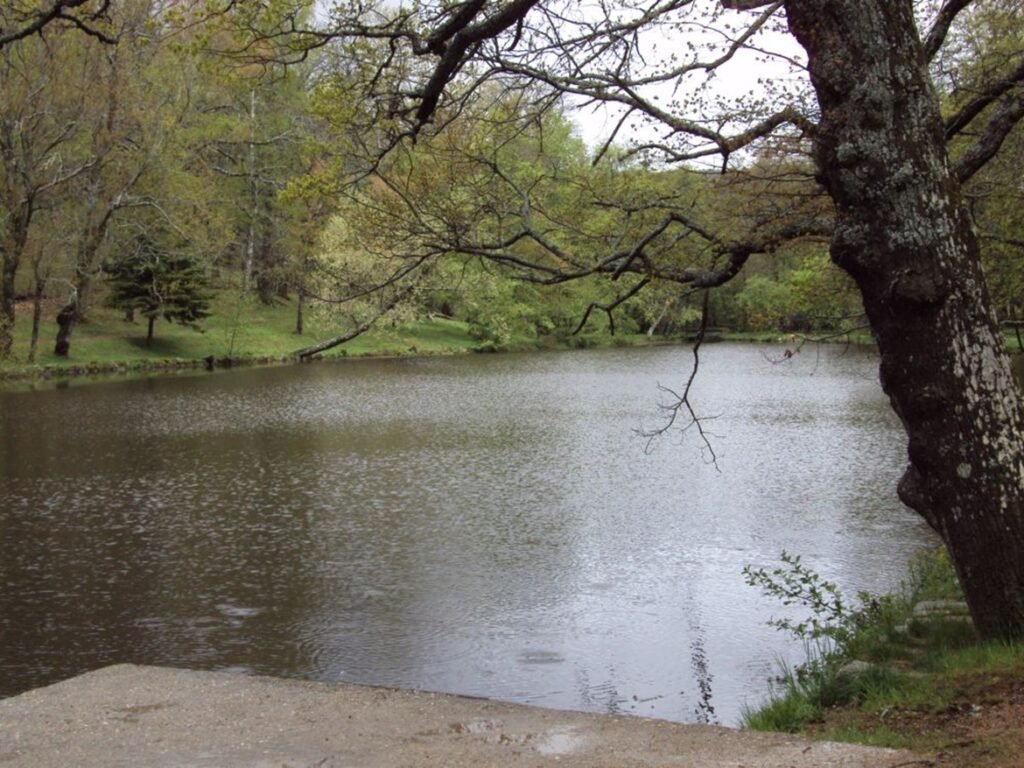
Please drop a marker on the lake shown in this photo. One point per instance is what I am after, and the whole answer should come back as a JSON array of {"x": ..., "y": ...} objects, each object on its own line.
[{"x": 486, "y": 525}]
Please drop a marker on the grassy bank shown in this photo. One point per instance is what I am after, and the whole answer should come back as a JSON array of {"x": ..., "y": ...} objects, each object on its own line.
[
  {"x": 904, "y": 670},
  {"x": 240, "y": 331},
  {"x": 238, "y": 327},
  {"x": 798, "y": 339}
]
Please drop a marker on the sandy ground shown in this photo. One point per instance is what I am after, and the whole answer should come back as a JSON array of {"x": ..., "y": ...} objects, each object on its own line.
[{"x": 146, "y": 716}]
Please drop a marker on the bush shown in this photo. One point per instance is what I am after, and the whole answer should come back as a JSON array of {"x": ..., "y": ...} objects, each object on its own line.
[
  {"x": 932, "y": 576},
  {"x": 837, "y": 631}
]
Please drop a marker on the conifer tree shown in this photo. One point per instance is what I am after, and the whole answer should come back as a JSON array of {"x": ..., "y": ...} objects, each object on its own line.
[{"x": 159, "y": 281}]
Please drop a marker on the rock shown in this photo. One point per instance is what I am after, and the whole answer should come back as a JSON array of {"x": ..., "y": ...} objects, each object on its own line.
[
  {"x": 854, "y": 668},
  {"x": 930, "y": 608}
]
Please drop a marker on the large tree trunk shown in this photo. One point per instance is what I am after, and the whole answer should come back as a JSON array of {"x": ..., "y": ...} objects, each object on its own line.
[
  {"x": 266, "y": 279},
  {"x": 85, "y": 265},
  {"x": 39, "y": 282},
  {"x": 11, "y": 249},
  {"x": 89, "y": 239},
  {"x": 905, "y": 236},
  {"x": 8, "y": 269},
  {"x": 65, "y": 325}
]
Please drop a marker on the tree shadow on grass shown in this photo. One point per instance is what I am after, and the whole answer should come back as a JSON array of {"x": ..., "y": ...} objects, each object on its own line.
[{"x": 161, "y": 347}]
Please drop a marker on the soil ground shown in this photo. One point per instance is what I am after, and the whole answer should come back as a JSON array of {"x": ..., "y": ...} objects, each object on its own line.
[
  {"x": 147, "y": 716},
  {"x": 983, "y": 726}
]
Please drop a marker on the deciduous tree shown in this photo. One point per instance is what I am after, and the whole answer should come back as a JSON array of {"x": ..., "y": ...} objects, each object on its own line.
[
  {"x": 869, "y": 121},
  {"x": 39, "y": 122}
]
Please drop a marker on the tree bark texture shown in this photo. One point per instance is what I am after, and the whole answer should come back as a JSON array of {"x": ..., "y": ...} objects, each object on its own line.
[
  {"x": 11, "y": 249},
  {"x": 904, "y": 234},
  {"x": 90, "y": 240},
  {"x": 8, "y": 269},
  {"x": 65, "y": 325},
  {"x": 38, "y": 284}
]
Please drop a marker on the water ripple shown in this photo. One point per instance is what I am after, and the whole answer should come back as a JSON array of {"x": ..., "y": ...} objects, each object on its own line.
[{"x": 483, "y": 525}]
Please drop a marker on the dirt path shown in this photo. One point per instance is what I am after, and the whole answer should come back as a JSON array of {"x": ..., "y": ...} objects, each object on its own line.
[{"x": 147, "y": 717}]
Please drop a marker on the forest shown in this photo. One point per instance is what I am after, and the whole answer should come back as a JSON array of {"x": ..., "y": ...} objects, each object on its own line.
[{"x": 148, "y": 168}]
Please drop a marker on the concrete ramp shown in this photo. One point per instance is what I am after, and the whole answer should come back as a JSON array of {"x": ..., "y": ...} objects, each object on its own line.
[{"x": 148, "y": 717}]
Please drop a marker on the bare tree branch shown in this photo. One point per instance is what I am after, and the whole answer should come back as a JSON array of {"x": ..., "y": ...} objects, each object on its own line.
[
  {"x": 18, "y": 26},
  {"x": 940, "y": 26},
  {"x": 745, "y": 5},
  {"x": 989, "y": 94},
  {"x": 681, "y": 402},
  {"x": 1008, "y": 113},
  {"x": 610, "y": 307},
  {"x": 308, "y": 353},
  {"x": 459, "y": 36}
]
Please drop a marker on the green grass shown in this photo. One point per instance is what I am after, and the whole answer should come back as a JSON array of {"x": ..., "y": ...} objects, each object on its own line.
[
  {"x": 788, "y": 710},
  {"x": 883, "y": 688},
  {"x": 993, "y": 658},
  {"x": 802, "y": 697},
  {"x": 915, "y": 701},
  {"x": 883, "y": 736},
  {"x": 239, "y": 328},
  {"x": 244, "y": 331}
]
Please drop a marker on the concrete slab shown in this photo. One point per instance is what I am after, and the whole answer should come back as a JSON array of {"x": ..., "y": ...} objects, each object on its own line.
[{"x": 149, "y": 717}]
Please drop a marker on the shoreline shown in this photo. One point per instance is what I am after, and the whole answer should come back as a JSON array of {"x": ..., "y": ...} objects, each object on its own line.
[
  {"x": 128, "y": 715},
  {"x": 22, "y": 377}
]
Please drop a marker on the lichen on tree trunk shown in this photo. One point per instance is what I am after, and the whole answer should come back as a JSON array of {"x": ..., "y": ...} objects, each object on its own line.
[{"x": 904, "y": 235}]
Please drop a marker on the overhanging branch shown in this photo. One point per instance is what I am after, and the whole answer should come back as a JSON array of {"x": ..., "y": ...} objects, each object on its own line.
[
  {"x": 459, "y": 37},
  {"x": 59, "y": 10},
  {"x": 989, "y": 94},
  {"x": 1008, "y": 113},
  {"x": 940, "y": 27}
]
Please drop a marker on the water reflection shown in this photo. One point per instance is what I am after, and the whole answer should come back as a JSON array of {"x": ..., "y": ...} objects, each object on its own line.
[
  {"x": 485, "y": 525},
  {"x": 704, "y": 712}
]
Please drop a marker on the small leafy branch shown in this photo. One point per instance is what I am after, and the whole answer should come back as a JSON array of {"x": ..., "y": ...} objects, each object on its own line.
[
  {"x": 793, "y": 583},
  {"x": 836, "y": 630}
]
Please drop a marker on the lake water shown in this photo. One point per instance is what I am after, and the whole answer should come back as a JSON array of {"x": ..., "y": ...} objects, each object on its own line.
[{"x": 486, "y": 525}]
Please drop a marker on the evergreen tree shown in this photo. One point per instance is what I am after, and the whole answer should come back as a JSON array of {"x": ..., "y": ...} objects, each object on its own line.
[{"x": 155, "y": 280}]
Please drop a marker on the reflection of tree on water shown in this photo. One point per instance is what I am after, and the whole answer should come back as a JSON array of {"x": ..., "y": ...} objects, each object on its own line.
[
  {"x": 603, "y": 697},
  {"x": 705, "y": 710}
]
